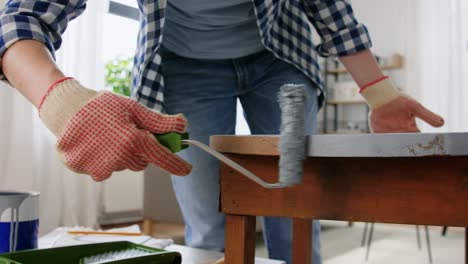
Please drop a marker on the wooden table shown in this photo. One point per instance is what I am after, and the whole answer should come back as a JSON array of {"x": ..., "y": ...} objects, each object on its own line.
[{"x": 392, "y": 178}]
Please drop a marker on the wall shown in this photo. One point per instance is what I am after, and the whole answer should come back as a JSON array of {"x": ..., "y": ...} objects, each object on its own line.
[
  {"x": 386, "y": 21},
  {"x": 123, "y": 192}
]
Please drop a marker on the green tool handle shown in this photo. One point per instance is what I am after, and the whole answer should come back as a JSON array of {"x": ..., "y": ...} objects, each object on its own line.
[{"x": 173, "y": 141}]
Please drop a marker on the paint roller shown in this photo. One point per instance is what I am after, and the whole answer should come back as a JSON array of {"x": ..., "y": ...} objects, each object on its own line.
[{"x": 292, "y": 146}]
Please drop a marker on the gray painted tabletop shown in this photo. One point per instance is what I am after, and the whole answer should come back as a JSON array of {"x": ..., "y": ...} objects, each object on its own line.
[{"x": 388, "y": 145}]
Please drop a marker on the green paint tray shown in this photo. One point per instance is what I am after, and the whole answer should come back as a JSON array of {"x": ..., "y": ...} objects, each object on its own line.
[{"x": 112, "y": 252}]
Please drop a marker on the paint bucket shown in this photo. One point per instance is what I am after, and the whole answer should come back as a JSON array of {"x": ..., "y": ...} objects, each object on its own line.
[{"x": 19, "y": 220}]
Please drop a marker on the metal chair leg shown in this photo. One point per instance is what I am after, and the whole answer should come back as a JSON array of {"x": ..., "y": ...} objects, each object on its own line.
[
  {"x": 371, "y": 233},
  {"x": 364, "y": 235},
  {"x": 369, "y": 242},
  {"x": 148, "y": 227},
  {"x": 444, "y": 230},
  {"x": 428, "y": 240},
  {"x": 418, "y": 237}
]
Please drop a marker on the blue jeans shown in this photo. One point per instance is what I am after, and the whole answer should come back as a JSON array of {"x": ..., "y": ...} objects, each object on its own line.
[{"x": 205, "y": 91}]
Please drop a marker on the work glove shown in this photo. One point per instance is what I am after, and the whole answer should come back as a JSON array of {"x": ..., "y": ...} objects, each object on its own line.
[
  {"x": 101, "y": 132},
  {"x": 394, "y": 112}
]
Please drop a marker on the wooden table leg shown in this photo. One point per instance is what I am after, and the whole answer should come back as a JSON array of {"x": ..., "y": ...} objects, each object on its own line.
[
  {"x": 240, "y": 239},
  {"x": 148, "y": 227},
  {"x": 302, "y": 241}
]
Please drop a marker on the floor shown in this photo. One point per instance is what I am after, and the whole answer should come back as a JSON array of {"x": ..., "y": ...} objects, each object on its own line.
[{"x": 391, "y": 243}]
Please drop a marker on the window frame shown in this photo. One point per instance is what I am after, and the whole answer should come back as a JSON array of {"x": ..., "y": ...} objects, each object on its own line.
[{"x": 126, "y": 11}]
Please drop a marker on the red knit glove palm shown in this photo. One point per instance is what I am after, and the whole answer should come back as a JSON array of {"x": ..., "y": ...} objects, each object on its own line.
[
  {"x": 110, "y": 133},
  {"x": 393, "y": 112}
]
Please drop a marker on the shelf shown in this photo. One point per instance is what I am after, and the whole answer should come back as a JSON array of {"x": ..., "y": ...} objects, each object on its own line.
[
  {"x": 337, "y": 102},
  {"x": 395, "y": 62}
]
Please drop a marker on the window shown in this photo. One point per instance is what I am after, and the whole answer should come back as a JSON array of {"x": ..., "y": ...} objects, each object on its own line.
[{"x": 120, "y": 30}]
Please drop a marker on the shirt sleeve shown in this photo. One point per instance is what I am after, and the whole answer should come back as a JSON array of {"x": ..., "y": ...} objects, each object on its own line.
[
  {"x": 44, "y": 21},
  {"x": 339, "y": 30}
]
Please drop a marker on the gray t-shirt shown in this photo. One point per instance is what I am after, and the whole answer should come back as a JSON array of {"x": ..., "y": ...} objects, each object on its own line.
[{"x": 211, "y": 29}]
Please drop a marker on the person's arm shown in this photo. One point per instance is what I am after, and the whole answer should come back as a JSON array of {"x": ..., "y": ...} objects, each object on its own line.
[
  {"x": 44, "y": 21},
  {"x": 30, "y": 32},
  {"x": 340, "y": 32},
  {"x": 363, "y": 67},
  {"x": 391, "y": 111},
  {"x": 30, "y": 68},
  {"x": 98, "y": 132},
  {"x": 343, "y": 36}
]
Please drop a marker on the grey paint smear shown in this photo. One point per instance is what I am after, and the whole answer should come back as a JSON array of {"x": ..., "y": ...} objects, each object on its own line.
[
  {"x": 377, "y": 145},
  {"x": 389, "y": 145}
]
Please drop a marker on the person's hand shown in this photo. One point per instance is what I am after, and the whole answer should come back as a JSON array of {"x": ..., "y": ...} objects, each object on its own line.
[
  {"x": 101, "y": 132},
  {"x": 393, "y": 112}
]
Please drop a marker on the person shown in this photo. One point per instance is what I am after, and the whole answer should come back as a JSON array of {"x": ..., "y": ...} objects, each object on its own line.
[{"x": 212, "y": 53}]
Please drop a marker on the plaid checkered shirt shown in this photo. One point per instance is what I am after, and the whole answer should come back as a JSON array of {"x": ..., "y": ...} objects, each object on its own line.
[{"x": 285, "y": 28}]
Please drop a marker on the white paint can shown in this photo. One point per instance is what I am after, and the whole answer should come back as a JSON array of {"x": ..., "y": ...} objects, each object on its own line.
[{"x": 19, "y": 220}]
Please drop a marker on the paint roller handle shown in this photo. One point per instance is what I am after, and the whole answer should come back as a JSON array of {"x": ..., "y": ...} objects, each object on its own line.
[{"x": 178, "y": 141}]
